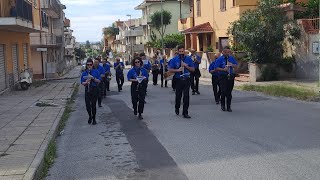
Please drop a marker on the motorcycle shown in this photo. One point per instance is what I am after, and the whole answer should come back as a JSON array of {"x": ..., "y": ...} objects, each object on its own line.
[{"x": 25, "y": 79}]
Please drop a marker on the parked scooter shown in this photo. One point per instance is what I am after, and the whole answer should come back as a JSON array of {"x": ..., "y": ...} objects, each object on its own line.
[{"x": 25, "y": 79}]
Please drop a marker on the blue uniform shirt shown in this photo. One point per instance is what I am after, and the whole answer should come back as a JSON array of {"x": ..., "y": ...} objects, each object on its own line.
[
  {"x": 118, "y": 71},
  {"x": 94, "y": 72},
  {"x": 221, "y": 63},
  {"x": 175, "y": 63},
  {"x": 106, "y": 67},
  {"x": 134, "y": 73},
  {"x": 101, "y": 69},
  {"x": 196, "y": 65},
  {"x": 147, "y": 65},
  {"x": 211, "y": 67},
  {"x": 161, "y": 64}
]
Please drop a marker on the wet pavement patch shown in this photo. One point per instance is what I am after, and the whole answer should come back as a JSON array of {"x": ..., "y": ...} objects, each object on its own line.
[{"x": 46, "y": 104}]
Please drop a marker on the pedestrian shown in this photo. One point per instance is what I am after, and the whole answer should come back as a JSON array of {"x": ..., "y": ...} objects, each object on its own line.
[
  {"x": 119, "y": 66},
  {"x": 98, "y": 66},
  {"x": 225, "y": 65},
  {"x": 90, "y": 78},
  {"x": 182, "y": 65},
  {"x": 107, "y": 77},
  {"x": 215, "y": 79},
  {"x": 163, "y": 69},
  {"x": 138, "y": 88},
  {"x": 196, "y": 74},
  {"x": 155, "y": 70}
]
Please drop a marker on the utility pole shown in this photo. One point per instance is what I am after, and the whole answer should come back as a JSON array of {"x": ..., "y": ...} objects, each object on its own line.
[
  {"x": 162, "y": 26},
  {"x": 130, "y": 39}
]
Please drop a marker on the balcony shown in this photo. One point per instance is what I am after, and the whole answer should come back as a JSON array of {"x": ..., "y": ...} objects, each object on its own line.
[
  {"x": 145, "y": 20},
  {"x": 43, "y": 40},
  {"x": 18, "y": 18},
  {"x": 138, "y": 22},
  {"x": 69, "y": 46},
  {"x": 185, "y": 23},
  {"x": 135, "y": 47},
  {"x": 51, "y": 7},
  {"x": 132, "y": 33},
  {"x": 311, "y": 26}
]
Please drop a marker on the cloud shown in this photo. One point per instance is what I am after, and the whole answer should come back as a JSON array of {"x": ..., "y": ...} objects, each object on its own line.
[{"x": 88, "y": 17}]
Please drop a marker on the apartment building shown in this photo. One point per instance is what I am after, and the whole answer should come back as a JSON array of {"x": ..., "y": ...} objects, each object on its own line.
[
  {"x": 70, "y": 42},
  {"x": 17, "y": 20},
  {"x": 47, "y": 48}
]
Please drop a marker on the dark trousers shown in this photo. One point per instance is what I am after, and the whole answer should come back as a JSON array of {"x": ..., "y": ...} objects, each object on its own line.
[
  {"x": 195, "y": 80},
  {"x": 106, "y": 85},
  {"x": 182, "y": 88},
  {"x": 226, "y": 84},
  {"x": 138, "y": 94},
  {"x": 174, "y": 83},
  {"x": 155, "y": 74},
  {"x": 120, "y": 81},
  {"x": 91, "y": 101},
  {"x": 216, "y": 88},
  {"x": 100, "y": 92},
  {"x": 162, "y": 78}
]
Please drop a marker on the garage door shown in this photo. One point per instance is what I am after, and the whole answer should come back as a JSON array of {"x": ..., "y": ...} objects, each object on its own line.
[
  {"x": 3, "y": 83},
  {"x": 25, "y": 56},
  {"x": 15, "y": 63}
]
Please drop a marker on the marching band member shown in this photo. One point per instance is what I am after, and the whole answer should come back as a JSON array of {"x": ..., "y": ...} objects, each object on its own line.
[
  {"x": 182, "y": 66},
  {"x": 90, "y": 78},
  {"x": 146, "y": 65},
  {"x": 163, "y": 69},
  {"x": 225, "y": 64},
  {"x": 215, "y": 79},
  {"x": 155, "y": 70},
  {"x": 96, "y": 65},
  {"x": 196, "y": 74},
  {"x": 119, "y": 66},
  {"x": 138, "y": 86},
  {"x": 106, "y": 79}
]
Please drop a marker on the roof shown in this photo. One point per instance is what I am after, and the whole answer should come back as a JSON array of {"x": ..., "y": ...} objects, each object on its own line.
[
  {"x": 201, "y": 28},
  {"x": 145, "y": 3}
]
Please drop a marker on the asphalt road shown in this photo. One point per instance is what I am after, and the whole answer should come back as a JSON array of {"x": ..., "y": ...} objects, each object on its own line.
[{"x": 263, "y": 138}]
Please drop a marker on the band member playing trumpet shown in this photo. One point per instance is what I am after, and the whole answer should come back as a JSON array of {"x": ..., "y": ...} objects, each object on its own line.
[
  {"x": 90, "y": 78},
  {"x": 225, "y": 66},
  {"x": 196, "y": 74},
  {"x": 138, "y": 77},
  {"x": 182, "y": 65},
  {"x": 163, "y": 69}
]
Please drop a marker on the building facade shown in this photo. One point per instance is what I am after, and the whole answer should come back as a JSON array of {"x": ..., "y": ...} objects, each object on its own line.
[
  {"x": 70, "y": 43},
  {"x": 17, "y": 20}
]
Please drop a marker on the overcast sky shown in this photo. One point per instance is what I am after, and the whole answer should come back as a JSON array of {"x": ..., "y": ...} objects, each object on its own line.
[{"x": 88, "y": 17}]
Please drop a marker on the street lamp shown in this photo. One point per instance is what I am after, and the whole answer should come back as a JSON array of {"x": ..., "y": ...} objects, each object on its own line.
[
  {"x": 130, "y": 38},
  {"x": 180, "y": 1}
]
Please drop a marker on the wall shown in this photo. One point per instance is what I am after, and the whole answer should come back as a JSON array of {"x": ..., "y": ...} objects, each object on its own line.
[
  {"x": 36, "y": 63},
  {"x": 36, "y": 15}
]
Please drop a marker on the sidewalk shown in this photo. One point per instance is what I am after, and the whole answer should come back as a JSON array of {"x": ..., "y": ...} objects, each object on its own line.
[
  {"x": 26, "y": 129},
  {"x": 72, "y": 74}
]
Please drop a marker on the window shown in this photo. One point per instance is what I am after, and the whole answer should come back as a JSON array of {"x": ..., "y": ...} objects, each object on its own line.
[
  {"x": 223, "y": 5},
  {"x": 233, "y": 3},
  {"x": 198, "y": 8}
]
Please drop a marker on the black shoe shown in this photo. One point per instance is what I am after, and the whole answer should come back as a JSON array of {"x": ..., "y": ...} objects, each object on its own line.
[
  {"x": 198, "y": 92},
  {"x": 119, "y": 90},
  {"x": 229, "y": 109},
  {"x": 135, "y": 112},
  {"x": 100, "y": 105},
  {"x": 193, "y": 93},
  {"x": 140, "y": 116},
  {"x": 186, "y": 116},
  {"x": 217, "y": 102},
  {"x": 145, "y": 102},
  {"x": 94, "y": 122},
  {"x": 173, "y": 89},
  {"x": 161, "y": 85},
  {"x": 166, "y": 86},
  {"x": 108, "y": 89},
  {"x": 90, "y": 120},
  {"x": 223, "y": 108},
  {"x": 177, "y": 111}
]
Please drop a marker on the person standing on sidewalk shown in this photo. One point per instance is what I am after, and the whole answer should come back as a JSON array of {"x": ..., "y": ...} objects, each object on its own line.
[
  {"x": 182, "y": 66},
  {"x": 138, "y": 77},
  {"x": 99, "y": 67},
  {"x": 107, "y": 78},
  {"x": 163, "y": 69},
  {"x": 196, "y": 74},
  {"x": 90, "y": 78},
  {"x": 155, "y": 70},
  {"x": 215, "y": 79},
  {"x": 225, "y": 65},
  {"x": 119, "y": 66}
]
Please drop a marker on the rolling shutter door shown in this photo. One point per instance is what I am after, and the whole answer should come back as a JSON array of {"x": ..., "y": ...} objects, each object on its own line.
[
  {"x": 3, "y": 83},
  {"x": 15, "y": 63},
  {"x": 25, "y": 56}
]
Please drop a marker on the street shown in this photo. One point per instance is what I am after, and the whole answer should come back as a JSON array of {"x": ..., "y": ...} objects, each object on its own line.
[{"x": 263, "y": 138}]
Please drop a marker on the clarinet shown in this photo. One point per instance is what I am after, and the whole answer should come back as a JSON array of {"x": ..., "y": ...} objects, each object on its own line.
[
  {"x": 229, "y": 68},
  {"x": 89, "y": 81}
]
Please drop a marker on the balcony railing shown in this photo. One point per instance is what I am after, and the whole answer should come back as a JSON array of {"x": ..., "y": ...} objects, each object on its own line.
[
  {"x": 311, "y": 25},
  {"x": 132, "y": 33},
  {"x": 44, "y": 19},
  {"x": 59, "y": 40},
  {"x": 37, "y": 39},
  {"x": 51, "y": 4},
  {"x": 22, "y": 9}
]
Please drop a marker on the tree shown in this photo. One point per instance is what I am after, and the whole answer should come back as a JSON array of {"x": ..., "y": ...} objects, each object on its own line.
[
  {"x": 87, "y": 44},
  {"x": 173, "y": 40},
  {"x": 312, "y": 9},
  {"x": 261, "y": 32},
  {"x": 156, "y": 21},
  {"x": 80, "y": 53},
  {"x": 110, "y": 31}
]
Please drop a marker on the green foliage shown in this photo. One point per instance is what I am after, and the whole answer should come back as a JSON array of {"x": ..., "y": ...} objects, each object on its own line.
[
  {"x": 173, "y": 40},
  {"x": 312, "y": 9},
  {"x": 210, "y": 49},
  {"x": 110, "y": 31},
  {"x": 261, "y": 32},
  {"x": 87, "y": 44},
  {"x": 153, "y": 36},
  {"x": 156, "y": 21},
  {"x": 287, "y": 63},
  {"x": 270, "y": 74},
  {"x": 80, "y": 53}
]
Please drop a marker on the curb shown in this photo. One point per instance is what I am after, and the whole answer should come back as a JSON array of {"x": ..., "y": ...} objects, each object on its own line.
[{"x": 34, "y": 170}]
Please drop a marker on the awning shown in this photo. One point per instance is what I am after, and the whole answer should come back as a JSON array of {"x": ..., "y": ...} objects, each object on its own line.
[{"x": 202, "y": 28}]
